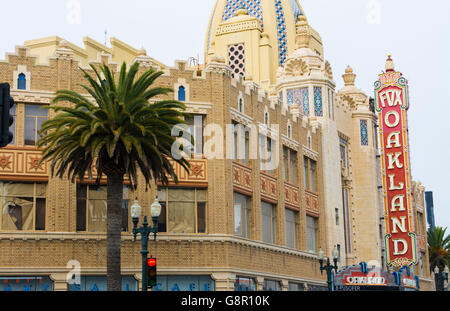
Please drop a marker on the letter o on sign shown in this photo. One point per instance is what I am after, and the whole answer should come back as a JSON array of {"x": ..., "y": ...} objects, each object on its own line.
[{"x": 396, "y": 118}]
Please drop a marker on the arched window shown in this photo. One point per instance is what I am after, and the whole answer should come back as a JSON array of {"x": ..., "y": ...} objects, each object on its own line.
[
  {"x": 241, "y": 105},
  {"x": 22, "y": 82},
  {"x": 289, "y": 131},
  {"x": 181, "y": 94}
]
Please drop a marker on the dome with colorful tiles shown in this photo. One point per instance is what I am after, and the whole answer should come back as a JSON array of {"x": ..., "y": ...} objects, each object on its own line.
[{"x": 265, "y": 31}]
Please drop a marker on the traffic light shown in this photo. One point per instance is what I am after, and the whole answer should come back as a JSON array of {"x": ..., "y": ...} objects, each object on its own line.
[
  {"x": 151, "y": 272},
  {"x": 6, "y": 120}
]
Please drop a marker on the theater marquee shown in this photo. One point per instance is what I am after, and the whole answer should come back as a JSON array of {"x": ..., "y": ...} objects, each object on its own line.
[{"x": 392, "y": 103}]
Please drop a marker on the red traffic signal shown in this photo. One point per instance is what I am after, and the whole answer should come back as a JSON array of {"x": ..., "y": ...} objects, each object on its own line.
[
  {"x": 151, "y": 262},
  {"x": 151, "y": 272}
]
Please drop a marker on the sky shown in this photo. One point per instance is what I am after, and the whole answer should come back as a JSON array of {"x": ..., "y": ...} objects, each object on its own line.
[{"x": 359, "y": 33}]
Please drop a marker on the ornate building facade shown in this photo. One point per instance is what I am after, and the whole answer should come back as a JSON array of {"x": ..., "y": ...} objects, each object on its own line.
[{"x": 240, "y": 220}]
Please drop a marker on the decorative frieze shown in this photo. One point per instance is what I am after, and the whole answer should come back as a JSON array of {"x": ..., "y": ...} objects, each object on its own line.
[
  {"x": 242, "y": 178},
  {"x": 291, "y": 195},
  {"x": 312, "y": 203},
  {"x": 198, "y": 175},
  {"x": 268, "y": 187},
  {"x": 22, "y": 163}
]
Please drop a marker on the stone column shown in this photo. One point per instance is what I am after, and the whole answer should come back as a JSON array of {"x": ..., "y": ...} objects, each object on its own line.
[
  {"x": 284, "y": 285},
  {"x": 60, "y": 281},
  {"x": 223, "y": 281},
  {"x": 259, "y": 283}
]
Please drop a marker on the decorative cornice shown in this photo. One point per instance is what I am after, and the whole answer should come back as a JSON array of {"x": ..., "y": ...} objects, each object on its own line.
[
  {"x": 310, "y": 153},
  {"x": 240, "y": 117},
  {"x": 252, "y": 24},
  {"x": 162, "y": 238},
  {"x": 289, "y": 142}
]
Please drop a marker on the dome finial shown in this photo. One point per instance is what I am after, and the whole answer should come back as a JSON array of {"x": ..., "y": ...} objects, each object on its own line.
[
  {"x": 303, "y": 35},
  {"x": 390, "y": 64},
  {"x": 349, "y": 77}
]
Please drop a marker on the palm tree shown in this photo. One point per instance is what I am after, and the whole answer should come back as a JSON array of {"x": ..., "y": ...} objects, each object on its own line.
[
  {"x": 439, "y": 248},
  {"x": 121, "y": 133}
]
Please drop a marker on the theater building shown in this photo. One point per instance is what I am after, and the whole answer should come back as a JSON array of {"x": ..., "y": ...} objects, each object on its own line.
[{"x": 245, "y": 218}]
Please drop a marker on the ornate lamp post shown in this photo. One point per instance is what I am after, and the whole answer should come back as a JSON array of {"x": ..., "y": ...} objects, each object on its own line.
[
  {"x": 440, "y": 277},
  {"x": 329, "y": 267},
  {"x": 145, "y": 232}
]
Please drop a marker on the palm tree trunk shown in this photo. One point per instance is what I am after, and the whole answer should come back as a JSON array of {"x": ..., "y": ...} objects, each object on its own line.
[{"x": 114, "y": 229}]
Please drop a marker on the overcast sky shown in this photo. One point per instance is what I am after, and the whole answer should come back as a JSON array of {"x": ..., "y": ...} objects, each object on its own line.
[{"x": 359, "y": 33}]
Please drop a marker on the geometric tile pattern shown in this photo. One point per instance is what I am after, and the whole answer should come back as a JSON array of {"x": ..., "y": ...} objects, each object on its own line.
[
  {"x": 236, "y": 59},
  {"x": 300, "y": 98},
  {"x": 318, "y": 101},
  {"x": 281, "y": 33},
  {"x": 364, "y": 133},
  {"x": 253, "y": 7}
]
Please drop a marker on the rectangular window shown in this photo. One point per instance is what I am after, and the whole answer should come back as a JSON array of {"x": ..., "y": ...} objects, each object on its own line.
[
  {"x": 23, "y": 206},
  {"x": 312, "y": 233},
  {"x": 241, "y": 142},
  {"x": 183, "y": 210},
  {"x": 272, "y": 285},
  {"x": 292, "y": 166},
  {"x": 35, "y": 115},
  {"x": 265, "y": 153},
  {"x": 291, "y": 228},
  {"x": 268, "y": 222},
  {"x": 92, "y": 206},
  {"x": 244, "y": 284},
  {"x": 196, "y": 124},
  {"x": 295, "y": 287},
  {"x": 306, "y": 172},
  {"x": 242, "y": 215},
  {"x": 285, "y": 164},
  {"x": 310, "y": 174}
]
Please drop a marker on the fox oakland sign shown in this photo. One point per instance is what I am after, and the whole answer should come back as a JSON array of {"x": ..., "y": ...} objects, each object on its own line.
[{"x": 392, "y": 103}]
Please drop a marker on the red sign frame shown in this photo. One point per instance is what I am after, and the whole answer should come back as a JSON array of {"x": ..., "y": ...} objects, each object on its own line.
[{"x": 391, "y": 104}]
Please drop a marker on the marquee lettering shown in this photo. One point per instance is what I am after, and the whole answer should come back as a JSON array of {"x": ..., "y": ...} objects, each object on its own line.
[
  {"x": 393, "y": 97},
  {"x": 392, "y": 185},
  {"x": 396, "y": 224},
  {"x": 396, "y": 250},
  {"x": 391, "y": 103},
  {"x": 387, "y": 119},
  {"x": 394, "y": 159},
  {"x": 398, "y": 202},
  {"x": 393, "y": 139}
]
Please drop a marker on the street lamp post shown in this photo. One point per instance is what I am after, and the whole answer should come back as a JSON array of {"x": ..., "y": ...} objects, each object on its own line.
[
  {"x": 145, "y": 232},
  {"x": 440, "y": 277},
  {"x": 329, "y": 267}
]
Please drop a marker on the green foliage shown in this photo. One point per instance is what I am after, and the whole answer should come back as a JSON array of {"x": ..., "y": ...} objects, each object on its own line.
[
  {"x": 439, "y": 248},
  {"x": 122, "y": 132}
]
